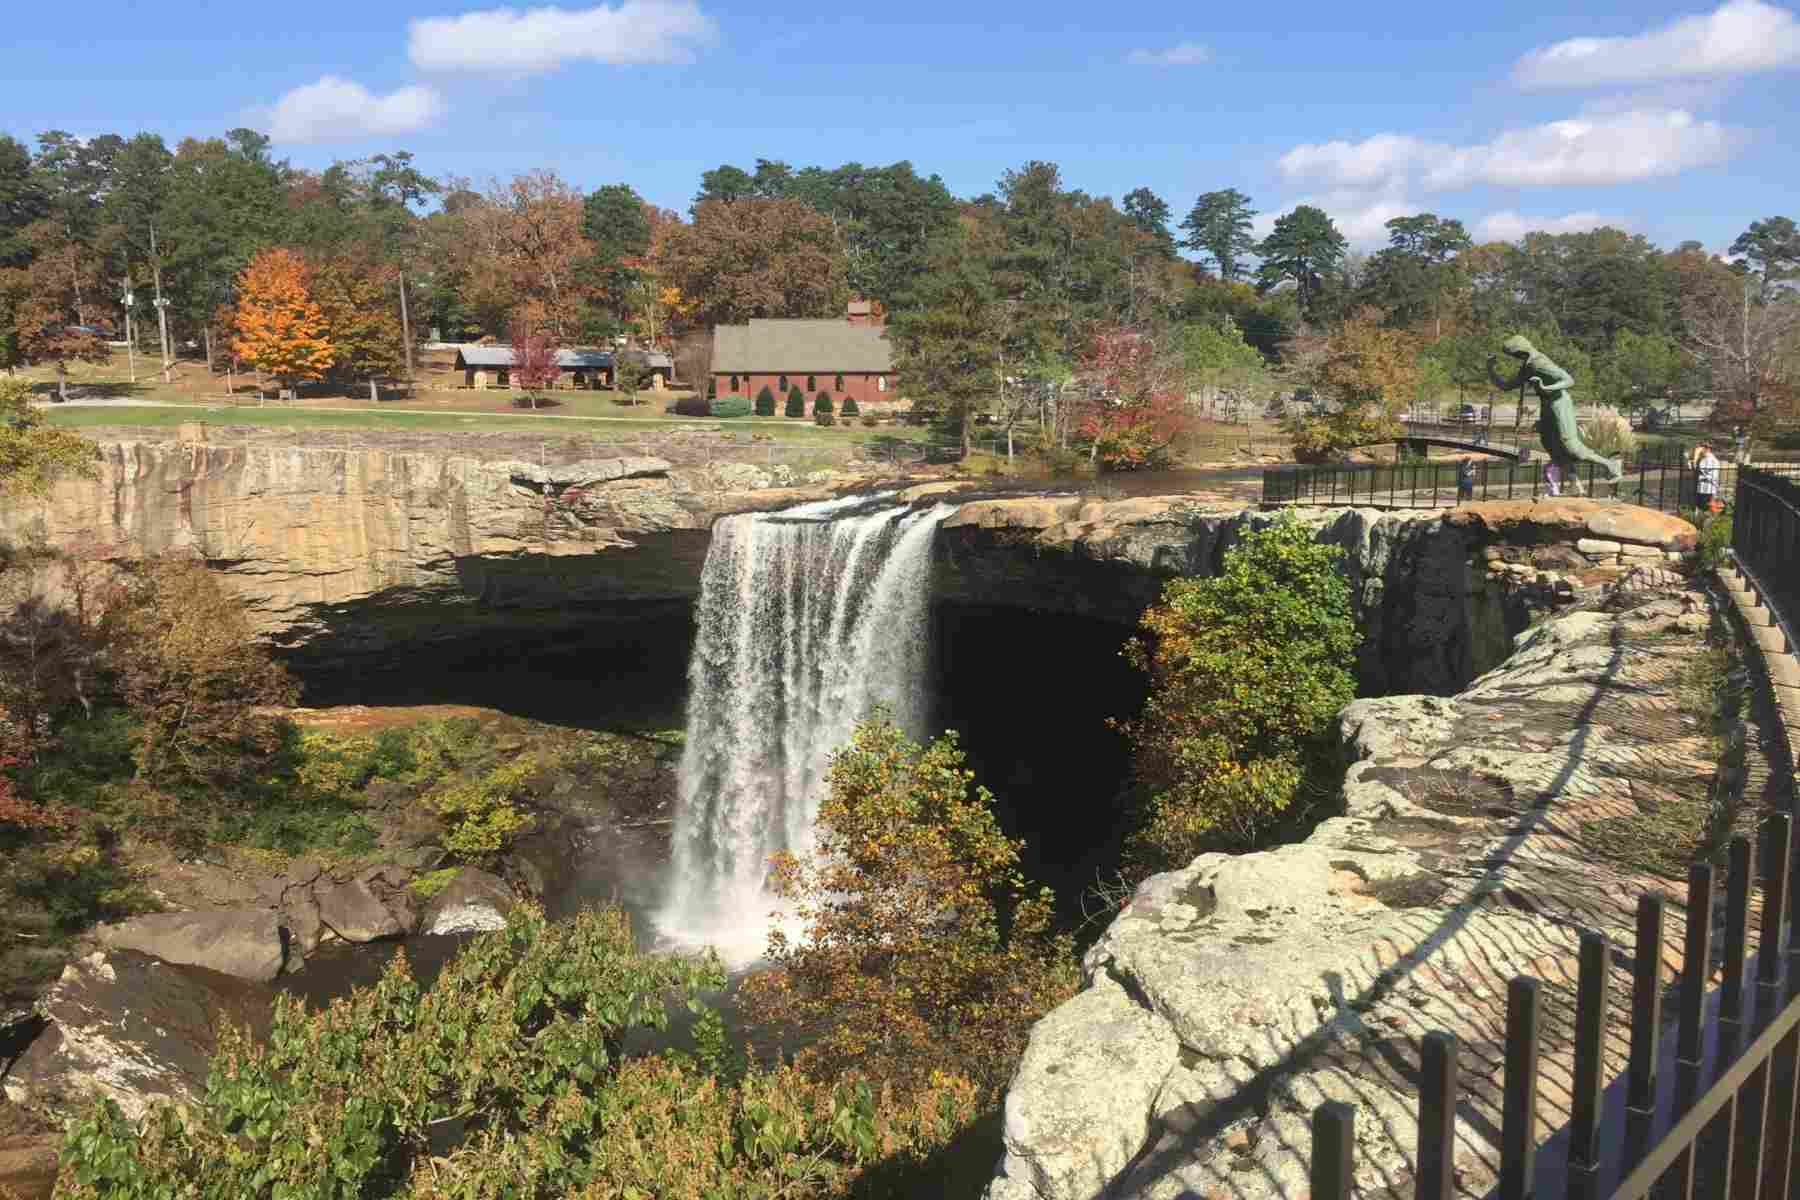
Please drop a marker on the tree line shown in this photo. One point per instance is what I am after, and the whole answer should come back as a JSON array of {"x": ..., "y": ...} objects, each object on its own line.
[{"x": 996, "y": 302}]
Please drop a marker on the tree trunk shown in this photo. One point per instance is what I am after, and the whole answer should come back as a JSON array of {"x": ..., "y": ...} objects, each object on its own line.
[
  {"x": 62, "y": 381},
  {"x": 209, "y": 351}
]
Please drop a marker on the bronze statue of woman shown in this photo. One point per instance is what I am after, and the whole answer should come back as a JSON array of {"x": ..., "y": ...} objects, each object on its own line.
[{"x": 1556, "y": 409}]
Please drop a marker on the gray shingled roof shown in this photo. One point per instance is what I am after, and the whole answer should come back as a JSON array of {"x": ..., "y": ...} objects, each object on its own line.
[
  {"x": 799, "y": 346},
  {"x": 502, "y": 356}
]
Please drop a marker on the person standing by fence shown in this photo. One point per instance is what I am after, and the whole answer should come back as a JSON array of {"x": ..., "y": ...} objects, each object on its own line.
[
  {"x": 1465, "y": 480},
  {"x": 1706, "y": 479}
]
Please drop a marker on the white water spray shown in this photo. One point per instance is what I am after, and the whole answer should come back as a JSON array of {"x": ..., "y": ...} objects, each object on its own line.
[{"x": 809, "y": 619}]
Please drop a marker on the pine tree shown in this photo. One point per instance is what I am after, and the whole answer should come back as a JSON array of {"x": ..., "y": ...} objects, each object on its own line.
[
  {"x": 279, "y": 327},
  {"x": 796, "y": 402},
  {"x": 822, "y": 404},
  {"x": 850, "y": 409},
  {"x": 765, "y": 402}
]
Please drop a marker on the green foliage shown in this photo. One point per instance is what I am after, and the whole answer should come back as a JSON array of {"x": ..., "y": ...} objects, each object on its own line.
[
  {"x": 483, "y": 812},
  {"x": 32, "y": 451},
  {"x": 1247, "y": 670},
  {"x": 518, "y": 1043},
  {"x": 1715, "y": 537},
  {"x": 1219, "y": 227},
  {"x": 822, "y": 404},
  {"x": 850, "y": 409},
  {"x": 730, "y": 406},
  {"x": 431, "y": 884},
  {"x": 824, "y": 420},
  {"x": 923, "y": 950},
  {"x": 1304, "y": 246},
  {"x": 765, "y": 402},
  {"x": 796, "y": 402},
  {"x": 1368, "y": 373}
]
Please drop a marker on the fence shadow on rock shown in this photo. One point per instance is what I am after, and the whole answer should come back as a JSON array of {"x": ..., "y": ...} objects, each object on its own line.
[{"x": 1708, "y": 1105}]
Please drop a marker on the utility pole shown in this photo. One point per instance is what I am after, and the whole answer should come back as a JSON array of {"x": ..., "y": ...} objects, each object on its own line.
[
  {"x": 162, "y": 306},
  {"x": 405, "y": 327},
  {"x": 130, "y": 338}
]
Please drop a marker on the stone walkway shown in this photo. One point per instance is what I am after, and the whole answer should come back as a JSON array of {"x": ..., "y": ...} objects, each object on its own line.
[{"x": 1483, "y": 834}]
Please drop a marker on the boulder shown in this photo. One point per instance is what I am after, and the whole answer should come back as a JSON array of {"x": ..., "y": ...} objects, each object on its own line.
[
  {"x": 1596, "y": 546},
  {"x": 133, "y": 1029},
  {"x": 474, "y": 901},
  {"x": 1570, "y": 518},
  {"x": 245, "y": 942},
  {"x": 1079, "y": 1106},
  {"x": 352, "y": 910}
]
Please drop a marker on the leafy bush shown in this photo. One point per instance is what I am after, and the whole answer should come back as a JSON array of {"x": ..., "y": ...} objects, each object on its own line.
[
  {"x": 822, "y": 404},
  {"x": 518, "y": 1044},
  {"x": 1247, "y": 670},
  {"x": 692, "y": 406},
  {"x": 765, "y": 402},
  {"x": 483, "y": 813},
  {"x": 922, "y": 948},
  {"x": 796, "y": 402},
  {"x": 850, "y": 409},
  {"x": 825, "y": 419},
  {"x": 870, "y": 420},
  {"x": 731, "y": 406},
  {"x": 1608, "y": 432}
]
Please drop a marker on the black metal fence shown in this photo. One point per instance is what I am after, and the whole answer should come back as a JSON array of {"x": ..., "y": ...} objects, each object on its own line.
[
  {"x": 1668, "y": 482},
  {"x": 1765, "y": 534},
  {"x": 1717, "y": 1113}
]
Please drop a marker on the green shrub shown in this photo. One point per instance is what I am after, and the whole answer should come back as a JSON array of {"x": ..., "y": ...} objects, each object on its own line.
[
  {"x": 822, "y": 404},
  {"x": 825, "y": 419},
  {"x": 796, "y": 402},
  {"x": 765, "y": 402},
  {"x": 731, "y": 406},
  {"x": 1247, "y": 670},
  {"x": 518, "y": 1042},
  {"x": 431, "y": 884},
  {"x": 850, "y": 409},
  {"x": 482, "y": 812}
]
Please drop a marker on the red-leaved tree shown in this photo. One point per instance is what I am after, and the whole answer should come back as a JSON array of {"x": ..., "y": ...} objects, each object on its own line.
[
  {"x": 1130, "y": 405},
  {"x": 534, "y": 349}
]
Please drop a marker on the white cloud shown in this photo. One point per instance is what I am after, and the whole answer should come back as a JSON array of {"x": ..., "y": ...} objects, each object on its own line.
[
  {"x": 1738, "y": 37},
  {"x": 511, "y": 40},
  {"x": 1371, "y": 161},
  {"x": 336, "y": 109},
  {"x": 1509, "y": 226},
  {"x": 1606, "y": 147},
  {"x": 1182, "y": 54},
  {"x": 1615, "y": 148},
  {"x": 1361, "y": 215}
]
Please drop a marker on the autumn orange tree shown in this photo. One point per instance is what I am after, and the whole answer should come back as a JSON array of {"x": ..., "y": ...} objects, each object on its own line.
[
  {"x": 922, "y": 950},
  {"x": 356, "y": 296},
  {"x": 279, "y": 326}
]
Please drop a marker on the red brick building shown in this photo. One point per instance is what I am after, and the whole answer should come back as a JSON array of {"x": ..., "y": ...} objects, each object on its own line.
[{"x": 847, "y": 357}]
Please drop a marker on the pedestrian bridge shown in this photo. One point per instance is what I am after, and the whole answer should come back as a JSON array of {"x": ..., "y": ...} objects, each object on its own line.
[{"x": 1472, "y": 439}]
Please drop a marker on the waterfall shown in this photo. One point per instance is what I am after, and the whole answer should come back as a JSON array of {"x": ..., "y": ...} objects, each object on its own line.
[{"x": 809, "y": 618}]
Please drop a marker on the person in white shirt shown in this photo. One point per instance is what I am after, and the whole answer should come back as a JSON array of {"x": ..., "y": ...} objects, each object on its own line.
[{"x": 1706, "y": 478}]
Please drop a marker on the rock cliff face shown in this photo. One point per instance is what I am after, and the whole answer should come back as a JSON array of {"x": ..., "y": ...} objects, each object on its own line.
[
  {"x": 1434, "y": 610},
  {"x": 1480, "y": 834},
  {"x": 348, "y": 550},
  {"x": 341, "y": 552}
]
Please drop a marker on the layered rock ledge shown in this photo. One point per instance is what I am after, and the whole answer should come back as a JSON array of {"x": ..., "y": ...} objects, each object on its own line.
[{"x": 1480, "y": 834}]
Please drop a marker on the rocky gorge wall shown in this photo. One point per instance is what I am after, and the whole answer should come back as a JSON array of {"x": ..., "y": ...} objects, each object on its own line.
[
  {"x": 344, "y": 552},
  {"x": 1480, "y": 835}
]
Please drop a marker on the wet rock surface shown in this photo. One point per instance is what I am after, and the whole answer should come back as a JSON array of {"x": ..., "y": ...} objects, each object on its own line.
[
  {"x": 245, "y": 942},
  {"x": 1481, "y": 833}
]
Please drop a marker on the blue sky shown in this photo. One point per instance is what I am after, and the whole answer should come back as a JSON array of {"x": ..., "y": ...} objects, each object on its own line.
[{"x": 1673, "y": 120}]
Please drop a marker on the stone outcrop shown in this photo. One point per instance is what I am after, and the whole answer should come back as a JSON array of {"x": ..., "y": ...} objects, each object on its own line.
[
  {"x": 243, "y": 942},
  {"x": 474, "y": 901},
  {"x": 133, "y": 1029},
  {"x": 363, "y": 549},
  {"x": 1480, "y": 834},
  {"x": 1433, "y": 610}
]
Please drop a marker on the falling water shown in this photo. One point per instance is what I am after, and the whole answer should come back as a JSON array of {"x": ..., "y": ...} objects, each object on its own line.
[{"x": 809, "y": 619}]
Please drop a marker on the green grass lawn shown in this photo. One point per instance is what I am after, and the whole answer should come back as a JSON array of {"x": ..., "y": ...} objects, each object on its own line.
[{"x": 224, "y": 416}]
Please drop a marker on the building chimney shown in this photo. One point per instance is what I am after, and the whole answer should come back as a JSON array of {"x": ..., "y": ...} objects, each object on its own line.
[{"x": 861, "y": 312}]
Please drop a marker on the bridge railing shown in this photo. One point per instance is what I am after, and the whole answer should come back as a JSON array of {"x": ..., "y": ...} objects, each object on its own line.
[{"x": 1661, "y": 481}]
